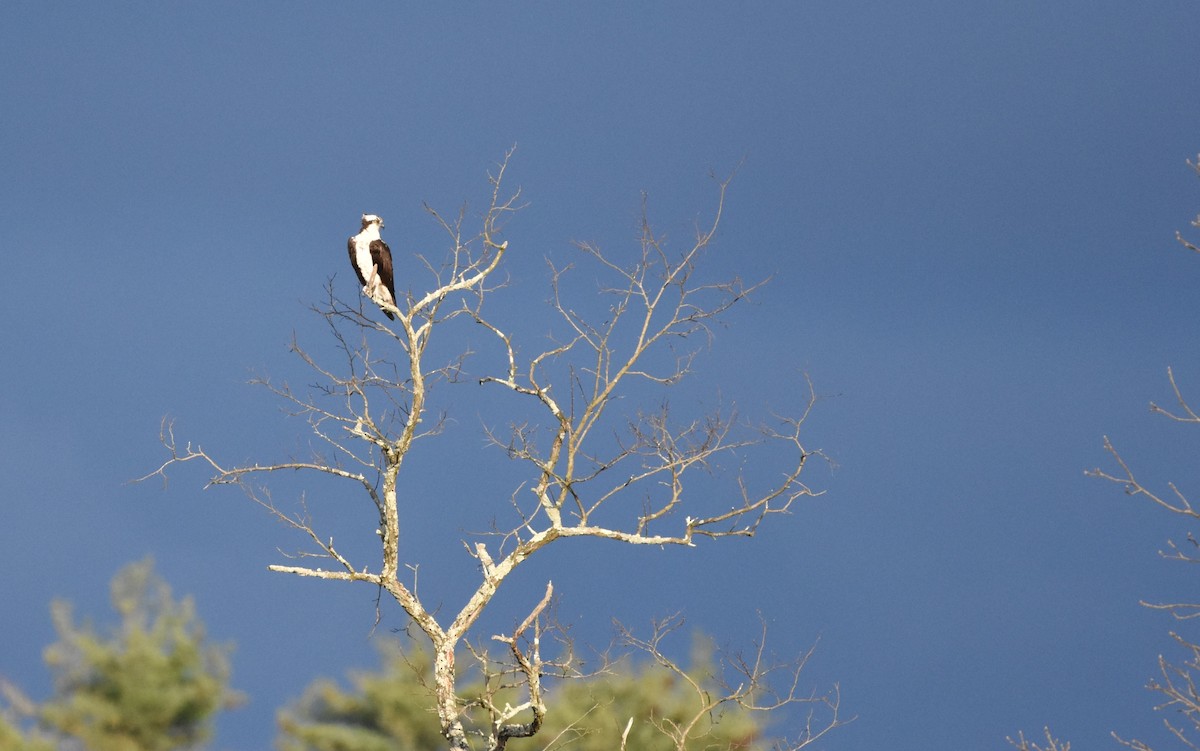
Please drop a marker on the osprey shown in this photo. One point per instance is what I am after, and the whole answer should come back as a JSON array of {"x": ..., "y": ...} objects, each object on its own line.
[{"x": 372, "y": 261}]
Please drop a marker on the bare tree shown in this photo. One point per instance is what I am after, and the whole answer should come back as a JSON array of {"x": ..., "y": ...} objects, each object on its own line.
[
  {"x": 1176, "y": 682},
  {"x": 586, "y": 465}
]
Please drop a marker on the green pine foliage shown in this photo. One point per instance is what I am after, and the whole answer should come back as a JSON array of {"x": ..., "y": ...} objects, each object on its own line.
[
  {"x": 385, "y": 711},
  {"x": 591, "y": 715},
  {"x": 392, "y": 709},
  {"x": 151, "y": 684},
  {"x": 12, "y": 739}
]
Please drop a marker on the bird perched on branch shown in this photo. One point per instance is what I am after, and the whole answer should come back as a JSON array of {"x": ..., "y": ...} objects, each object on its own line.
[{"x": 372, "y": 261}]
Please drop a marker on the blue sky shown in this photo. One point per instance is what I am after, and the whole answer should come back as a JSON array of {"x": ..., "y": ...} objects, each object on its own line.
[{"x": 967, "y": 211}]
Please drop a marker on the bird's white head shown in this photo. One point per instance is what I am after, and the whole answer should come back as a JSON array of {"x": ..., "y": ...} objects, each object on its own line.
[{"x": 369, "y": 219}]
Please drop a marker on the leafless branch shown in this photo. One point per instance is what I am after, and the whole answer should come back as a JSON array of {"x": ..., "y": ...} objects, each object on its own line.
[
  {"x": 1187, "y": 414},
  {"x": 1195, "y": 222},
  {"x": 656, "y": 298},
  {"x": 1021, "y": 744},
  {"x": 1175, "y": 682},
  {"x": 1181, "y": 699},
  {"x": 1179, "y": 504},
  {"x": 753, "y": 682}
]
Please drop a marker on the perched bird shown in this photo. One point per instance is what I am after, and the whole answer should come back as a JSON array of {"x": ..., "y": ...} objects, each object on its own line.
[{"x": 372, "y": 261}]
